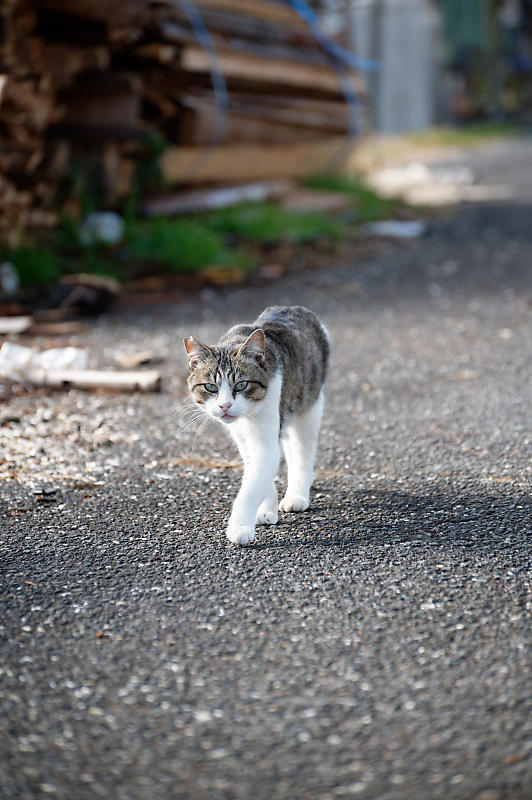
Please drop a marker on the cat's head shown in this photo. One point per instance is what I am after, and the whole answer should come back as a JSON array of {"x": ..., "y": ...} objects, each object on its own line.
[{"x": 227, "y": 382}]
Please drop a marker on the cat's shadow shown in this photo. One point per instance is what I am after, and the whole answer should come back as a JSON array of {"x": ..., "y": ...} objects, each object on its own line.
[{"x": 392, "y": 517}]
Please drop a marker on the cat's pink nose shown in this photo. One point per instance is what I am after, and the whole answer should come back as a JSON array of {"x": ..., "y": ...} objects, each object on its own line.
[{"x": 225, "y": 407}]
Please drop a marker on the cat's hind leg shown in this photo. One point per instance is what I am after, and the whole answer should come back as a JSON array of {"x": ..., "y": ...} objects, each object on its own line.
[
  {"x": 299, "y": 442},
  {"x": 267, "y": 513}
]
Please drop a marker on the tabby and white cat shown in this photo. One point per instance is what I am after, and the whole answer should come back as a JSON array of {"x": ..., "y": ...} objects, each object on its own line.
[{"x": 265, "y": 382}]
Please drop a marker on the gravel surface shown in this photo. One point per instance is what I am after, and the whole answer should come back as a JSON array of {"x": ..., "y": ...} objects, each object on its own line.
[{"x": 374, "y": 647}]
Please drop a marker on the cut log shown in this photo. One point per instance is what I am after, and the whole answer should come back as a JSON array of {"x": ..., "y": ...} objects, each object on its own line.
[
  {"x": 239, "y": 163},
  {"x": 157, "y": 51},
  {"x": 3, "y": 82},
  {"x": 110, "y": 101},
  {"x": 64, "y": 63}
]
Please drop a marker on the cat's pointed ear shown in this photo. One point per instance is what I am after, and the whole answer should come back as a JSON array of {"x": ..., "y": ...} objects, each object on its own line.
[
  {"x": 254, "y": 344},
  {"x": 196, "y": 351}
]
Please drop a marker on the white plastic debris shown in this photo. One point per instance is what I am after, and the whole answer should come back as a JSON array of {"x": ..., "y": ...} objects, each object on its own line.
[
  {"x": 453, "y": 173},
  {"x": 22, "y": 364},
  {"x": 10, "y": 325},
  {"x": 421, "y": 184},
  {"x": 396, "y": 228},
  {"x": 102, "y": 227}
]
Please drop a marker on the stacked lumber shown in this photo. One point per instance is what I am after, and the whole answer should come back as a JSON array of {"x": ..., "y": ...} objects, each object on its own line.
[
  {"x": 26, "y": 110},
  {"x": 85, "y": 84},
  {"x": 48, "y": 49},
  {"x": 286, "y": 112}
]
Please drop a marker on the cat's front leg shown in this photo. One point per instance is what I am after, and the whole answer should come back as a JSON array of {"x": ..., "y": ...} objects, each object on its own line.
[
  {"x": 260, "y": 468},
  {"x": 240, "y": 533},
  {"x": 267, "y": 513}
]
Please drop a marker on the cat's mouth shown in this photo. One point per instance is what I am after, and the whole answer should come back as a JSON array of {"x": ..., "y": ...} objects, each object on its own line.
[{"x": 227, "y": 418}]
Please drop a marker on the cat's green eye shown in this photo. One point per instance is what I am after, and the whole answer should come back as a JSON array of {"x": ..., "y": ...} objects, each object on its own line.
[
  {"x": 240, "y": 386},
  {"x": 211, "y": 387}
]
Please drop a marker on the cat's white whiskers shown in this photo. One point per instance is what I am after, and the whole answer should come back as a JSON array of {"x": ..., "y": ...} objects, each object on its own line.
[
  {"x": 189, "y": 420},
  {"x": 185, "y": 419},
  {"x": 190, "y": 408},
  {"x": 202, "y": 425},
  {"x": 190, "y": 427}
]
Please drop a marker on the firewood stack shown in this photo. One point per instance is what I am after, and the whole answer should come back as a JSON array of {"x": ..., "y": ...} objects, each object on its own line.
[{"x": 86, "y": 87}]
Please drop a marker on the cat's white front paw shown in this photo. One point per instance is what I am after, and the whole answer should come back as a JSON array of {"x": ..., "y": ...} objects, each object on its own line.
[
  {"x": 266, "y": 515},
  {"x": 240, "y": 534},
  {"x": 294, "y": 502}
]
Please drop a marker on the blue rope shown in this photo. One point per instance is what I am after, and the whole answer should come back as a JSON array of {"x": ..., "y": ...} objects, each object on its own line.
[
  {"x": 340, "y": 59},
  {"x": 219, "y": 85},
  {"x": 335, "y": 50}
]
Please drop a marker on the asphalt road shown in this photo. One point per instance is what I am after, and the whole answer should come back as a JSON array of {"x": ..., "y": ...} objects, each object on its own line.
[{"x": 374, "y": 647}]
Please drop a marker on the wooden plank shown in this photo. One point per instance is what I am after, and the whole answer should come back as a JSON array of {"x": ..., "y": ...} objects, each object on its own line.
[
  {"x": 238, "y": 25},
  {"x": 257, "y": 122},
  {"x": 238, "y": 163},
  {"x": 196, "y": 126},
  {"x": 270, "y": 51},
  {"x": 290, "y": 108},
  {"x": 336, "y": 120},
  {"x": 263, "y": 70},
  {"x": 296, "y": 103},
  {"x": 269, "y": 45},
  {"x": 275, "y": 12}
]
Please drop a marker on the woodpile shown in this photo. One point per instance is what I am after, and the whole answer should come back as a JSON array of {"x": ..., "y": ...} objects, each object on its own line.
[{"x": 89, "y": 89}]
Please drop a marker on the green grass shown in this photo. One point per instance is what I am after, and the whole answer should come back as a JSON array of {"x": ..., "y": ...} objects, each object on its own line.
[
  {"x": 185, "y": 245},
  {"x": 368, "y": 204},
  {"x": 179, "y": 245},
  {"x": 149, "y": 246},
  {"x": 267, "y": 223},
  {"x": 35, "y": 265},
  {"x": 229, "y": 237}
]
